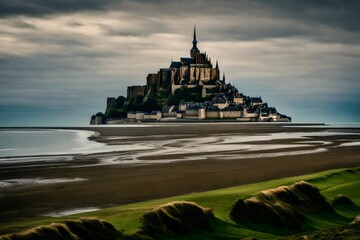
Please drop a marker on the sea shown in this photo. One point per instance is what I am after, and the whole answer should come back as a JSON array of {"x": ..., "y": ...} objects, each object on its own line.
[{"x": 34, "y": 142}]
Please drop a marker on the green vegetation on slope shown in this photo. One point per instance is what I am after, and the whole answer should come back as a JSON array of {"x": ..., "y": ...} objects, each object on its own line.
[
  {"x": 86, "y": 228},
  {"x": 281, "y": 207},
  {"x": 126, "y": 218},
  {"x": 348, "y": 232},
  {"x": 176, "y": 218}
]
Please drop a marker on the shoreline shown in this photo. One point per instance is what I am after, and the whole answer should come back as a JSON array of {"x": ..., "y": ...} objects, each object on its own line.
[{"x": 121, "y": 183}]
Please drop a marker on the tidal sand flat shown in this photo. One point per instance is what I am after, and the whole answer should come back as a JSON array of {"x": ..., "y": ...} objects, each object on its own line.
[{"x": 127, "y": 164}]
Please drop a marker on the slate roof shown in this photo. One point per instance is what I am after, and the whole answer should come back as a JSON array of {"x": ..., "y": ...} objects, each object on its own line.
[
  {"x": 186, "y": 60},
  {"x": 175, "y": 64},
  {"x": 256, "y": 100}
]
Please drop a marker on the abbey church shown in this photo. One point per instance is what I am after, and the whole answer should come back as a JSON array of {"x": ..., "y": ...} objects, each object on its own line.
[{"x": 190, "y": 72}]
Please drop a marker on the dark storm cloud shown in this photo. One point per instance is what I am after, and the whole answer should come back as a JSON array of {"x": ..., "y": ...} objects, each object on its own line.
[
  {"x": 332, "y": 13},
  {"x": 131, "y": 32},
  {"x": 45, "y": 7},
  {"x": 323, "y": 20},
  {"x": 335, "y": 13}
]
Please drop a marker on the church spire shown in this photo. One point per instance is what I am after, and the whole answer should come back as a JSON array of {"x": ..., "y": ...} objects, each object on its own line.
[{"x": 194, "y": 49}]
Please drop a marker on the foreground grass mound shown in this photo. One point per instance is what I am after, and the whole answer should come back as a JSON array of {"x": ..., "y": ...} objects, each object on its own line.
[
  {"x": 342, "y": 200},
  {"x": 179, "y": 218},
  {"x": 175, "y": 218},
  {"x": 89, "y": 229},
  {"x": 284, "y": 206},
  {"x": 350, "y": 232}
]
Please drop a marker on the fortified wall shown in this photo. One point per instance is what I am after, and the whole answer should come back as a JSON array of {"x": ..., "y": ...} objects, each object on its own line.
[{"x": 134, "y": 91}]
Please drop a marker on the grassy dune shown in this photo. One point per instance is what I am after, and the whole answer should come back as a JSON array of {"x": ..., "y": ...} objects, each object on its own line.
[
  {"x": 281, "y": 207},
  {"x": 85, "y": 228},
  {"x": 133, "y": 218}
]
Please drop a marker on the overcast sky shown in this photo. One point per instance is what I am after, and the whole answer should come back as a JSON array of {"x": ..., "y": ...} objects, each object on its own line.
[{"x": 61, "y": 59}]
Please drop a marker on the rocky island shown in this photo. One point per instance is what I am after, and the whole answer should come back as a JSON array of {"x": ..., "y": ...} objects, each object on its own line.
[{"x": 189, "y": 89}]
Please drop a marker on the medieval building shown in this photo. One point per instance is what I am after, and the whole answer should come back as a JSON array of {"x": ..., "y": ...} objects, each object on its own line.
[{"x": 190, "y": 72}]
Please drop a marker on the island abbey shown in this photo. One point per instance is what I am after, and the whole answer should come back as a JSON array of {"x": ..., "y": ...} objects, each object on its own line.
[
  {"x": 194, "y": 71},
  {"x": 191, "y": 89}
]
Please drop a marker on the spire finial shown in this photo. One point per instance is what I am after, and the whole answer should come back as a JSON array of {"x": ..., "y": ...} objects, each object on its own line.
[
  {"x": 194, "y": 38},
  {"x": 217, "y": 64}
]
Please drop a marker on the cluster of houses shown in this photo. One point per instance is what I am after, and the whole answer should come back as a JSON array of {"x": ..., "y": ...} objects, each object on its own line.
[{"x": 240, "y": 108}]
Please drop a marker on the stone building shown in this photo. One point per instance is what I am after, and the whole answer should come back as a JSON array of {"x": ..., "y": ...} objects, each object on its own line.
[
  {"x": 110, "y": 102},
  {"x": 134, "y": 91},
  {"x": 190, "y": 72}
]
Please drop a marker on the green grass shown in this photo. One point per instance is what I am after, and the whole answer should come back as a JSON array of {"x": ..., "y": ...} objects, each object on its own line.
[{"x": 330, "y": 183}]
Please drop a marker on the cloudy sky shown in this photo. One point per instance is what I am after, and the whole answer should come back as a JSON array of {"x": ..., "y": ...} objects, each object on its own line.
[{"x": 60, "y": 59}]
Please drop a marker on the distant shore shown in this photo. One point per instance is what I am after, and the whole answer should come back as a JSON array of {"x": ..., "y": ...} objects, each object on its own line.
[
  {"x": 173, "y": 159},
  {"x": 164, "y": 123}
]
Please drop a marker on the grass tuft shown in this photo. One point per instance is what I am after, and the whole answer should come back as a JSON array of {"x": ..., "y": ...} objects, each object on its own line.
[
  {"x": 54, "y": 231},
  {"x": 342, "y": 200},
  {"x": 84, "y": 228},
  {"x": 179, "y": 218},
  {"x": 349, "y": 232},
  {"x": 92, "y": 228},
  {"x": 281, "y": 207},
  {"x": 356, "y": 221}
]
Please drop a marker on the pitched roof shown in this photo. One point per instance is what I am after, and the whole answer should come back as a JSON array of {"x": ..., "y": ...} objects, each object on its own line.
[
  {"x": 256, "y": 100},
  {"x": 186, "y": 60},
  {"x": 175, "y": 64}
]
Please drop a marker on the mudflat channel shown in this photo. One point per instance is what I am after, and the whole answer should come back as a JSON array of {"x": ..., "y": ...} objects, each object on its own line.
[{"x": 152, "y": 161}]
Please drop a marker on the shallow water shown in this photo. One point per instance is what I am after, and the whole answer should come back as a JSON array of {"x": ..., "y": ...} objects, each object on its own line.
[
  {"x": 33, "y": 142},
  {"x": 70, "y": 212},
  {"x": 43, "y": 142},
  {"x": 6, "y": 183}
]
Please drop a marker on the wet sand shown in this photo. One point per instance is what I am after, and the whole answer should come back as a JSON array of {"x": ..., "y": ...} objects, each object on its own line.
[{"x": 176, "y": 159}]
